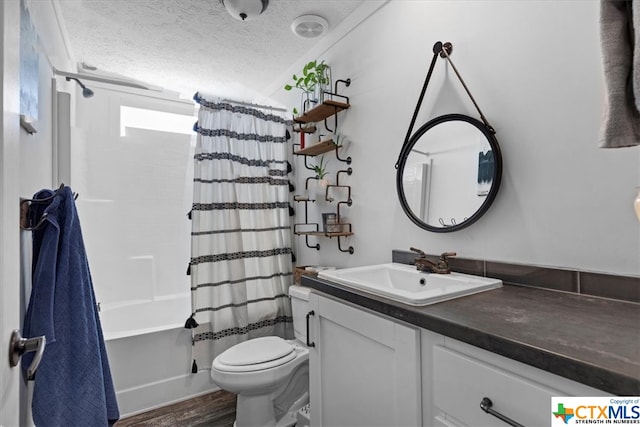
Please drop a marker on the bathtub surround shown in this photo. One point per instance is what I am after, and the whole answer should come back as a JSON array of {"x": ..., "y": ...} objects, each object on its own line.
[
  {"x": 241, "y": 244},
  {"x": 619, "y": 33},
  {"x": 134, "y": 197}
]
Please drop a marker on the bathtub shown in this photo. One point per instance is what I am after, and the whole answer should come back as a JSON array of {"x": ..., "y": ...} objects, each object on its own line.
[
  {"x": 150, "y": 353},
  {"x": 139, "y": 317}
]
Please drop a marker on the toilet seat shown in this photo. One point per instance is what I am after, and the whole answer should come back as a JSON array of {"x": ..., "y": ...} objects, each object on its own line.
[{"x": 255, "y": 355}]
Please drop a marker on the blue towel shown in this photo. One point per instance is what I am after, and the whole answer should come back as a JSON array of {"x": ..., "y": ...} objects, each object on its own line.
[{"x": 73, "y": 384}]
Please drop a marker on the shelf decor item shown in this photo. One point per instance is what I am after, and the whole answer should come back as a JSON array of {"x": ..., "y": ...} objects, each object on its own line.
[
  {"x": 314, "y": 81},
  {"x": 329, "y": 222},
  {"x": 301, "y": 270},
  {"x": 321, "y": 169}
]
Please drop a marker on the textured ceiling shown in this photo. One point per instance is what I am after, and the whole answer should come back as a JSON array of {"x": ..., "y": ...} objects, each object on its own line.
[{"x": 189, "y": 45}]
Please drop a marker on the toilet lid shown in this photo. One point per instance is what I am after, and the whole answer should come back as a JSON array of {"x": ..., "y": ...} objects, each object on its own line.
[{"x": 256, "y": 351}]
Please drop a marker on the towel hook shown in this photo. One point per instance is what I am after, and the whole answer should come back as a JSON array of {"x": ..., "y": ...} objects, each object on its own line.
[{"x": 25, "y": 223}]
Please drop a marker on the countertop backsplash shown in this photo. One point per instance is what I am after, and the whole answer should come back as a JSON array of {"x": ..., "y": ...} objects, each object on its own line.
[{"x": 623, "y": 288}]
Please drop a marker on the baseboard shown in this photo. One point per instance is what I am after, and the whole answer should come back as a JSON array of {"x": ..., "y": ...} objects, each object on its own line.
[{"x": 135, "y": 400}]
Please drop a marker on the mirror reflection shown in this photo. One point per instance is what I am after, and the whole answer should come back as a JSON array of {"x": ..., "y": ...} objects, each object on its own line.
[{"x": 448, "y": 174}]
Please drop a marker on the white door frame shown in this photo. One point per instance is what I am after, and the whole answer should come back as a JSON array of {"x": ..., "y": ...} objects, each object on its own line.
[{"x": 9, "y": 206}]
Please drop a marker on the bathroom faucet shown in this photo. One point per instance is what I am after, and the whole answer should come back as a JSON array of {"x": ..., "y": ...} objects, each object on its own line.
[{"x": 441, "y": 267}]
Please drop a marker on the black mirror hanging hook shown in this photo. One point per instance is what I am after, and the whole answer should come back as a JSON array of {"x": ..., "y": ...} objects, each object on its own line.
[
  {"x": 437, "y": 49},
  {"x": 444, "y": 50},
  {"x": 446, "y": 54}
]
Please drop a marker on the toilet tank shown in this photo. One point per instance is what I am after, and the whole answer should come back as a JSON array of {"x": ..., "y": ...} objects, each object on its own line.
[{"x": 299, "y": 308}]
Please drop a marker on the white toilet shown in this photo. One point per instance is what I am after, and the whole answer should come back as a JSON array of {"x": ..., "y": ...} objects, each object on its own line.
[{"x": 270, "y": 375}]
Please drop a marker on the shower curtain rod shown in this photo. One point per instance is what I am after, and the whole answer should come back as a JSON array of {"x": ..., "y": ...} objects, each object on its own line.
[
  {"x": 103, "y": 80},
  {"x": 248, "y": 104}
]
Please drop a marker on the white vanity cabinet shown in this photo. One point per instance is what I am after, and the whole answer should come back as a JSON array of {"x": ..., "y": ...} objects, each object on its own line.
[
  {"x": 364, "y": 369},
  {"x": 459, "y": 376},
  {"x": 367, "y": 369}
]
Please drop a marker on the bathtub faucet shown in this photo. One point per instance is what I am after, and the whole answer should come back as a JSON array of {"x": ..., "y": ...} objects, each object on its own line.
[{"x": 440, "y": 267}]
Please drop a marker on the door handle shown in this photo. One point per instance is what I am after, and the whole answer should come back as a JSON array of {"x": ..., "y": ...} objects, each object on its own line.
[{"x": 19, "y": 346}]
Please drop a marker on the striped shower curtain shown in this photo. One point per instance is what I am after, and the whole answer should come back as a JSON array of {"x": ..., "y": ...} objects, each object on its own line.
[{"x": 240, "y": 264}]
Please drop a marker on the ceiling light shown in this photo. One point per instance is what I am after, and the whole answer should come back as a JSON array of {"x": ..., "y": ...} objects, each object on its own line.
[
  {"x": 245, "y": 10},
  {"x": 309, "y": 26}
]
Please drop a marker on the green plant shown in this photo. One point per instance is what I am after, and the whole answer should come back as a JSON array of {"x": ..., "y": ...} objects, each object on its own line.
[
  {"x": 320, "y": 170},
  {"x": 313, "y": 73}
]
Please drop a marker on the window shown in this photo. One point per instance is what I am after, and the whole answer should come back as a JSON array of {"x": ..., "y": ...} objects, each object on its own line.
[{"x": 141, "y": 118}]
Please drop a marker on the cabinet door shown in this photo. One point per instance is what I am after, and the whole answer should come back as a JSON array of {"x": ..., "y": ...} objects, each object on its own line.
[{"x": 364, "y": 368}]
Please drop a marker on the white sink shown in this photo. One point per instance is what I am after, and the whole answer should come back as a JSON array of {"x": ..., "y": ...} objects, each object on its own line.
[{"x": 406, "y": 284}]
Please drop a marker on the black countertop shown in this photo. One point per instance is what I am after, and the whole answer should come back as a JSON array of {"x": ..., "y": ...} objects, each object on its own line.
[{"x": 594, "y": 341}]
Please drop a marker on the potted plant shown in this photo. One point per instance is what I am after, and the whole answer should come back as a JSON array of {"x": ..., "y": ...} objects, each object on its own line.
[
  {"x": 321, "y": 172},
  {"x": 314, "y": 81}
]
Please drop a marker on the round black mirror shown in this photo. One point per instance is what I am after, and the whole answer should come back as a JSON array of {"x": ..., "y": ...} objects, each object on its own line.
[{"x": 449, "y": 173}]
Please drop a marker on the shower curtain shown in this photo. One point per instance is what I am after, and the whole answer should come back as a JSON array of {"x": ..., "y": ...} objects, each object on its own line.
[{"x": 241, "y": 265}]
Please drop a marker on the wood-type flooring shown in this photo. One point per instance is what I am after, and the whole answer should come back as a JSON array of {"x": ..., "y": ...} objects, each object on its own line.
[{"x": 217, "y": 409}]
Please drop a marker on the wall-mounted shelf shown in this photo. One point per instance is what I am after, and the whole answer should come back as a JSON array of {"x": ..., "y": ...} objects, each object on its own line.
[
  {"x": 310, "y": 129},
  {"x": 317, "y": 149},
  {"x": 324, "y": 234},
  {"x": 312, "y": 229},
  {"x": 330, "y": 235},
  {"x": 327, "y": 109}
]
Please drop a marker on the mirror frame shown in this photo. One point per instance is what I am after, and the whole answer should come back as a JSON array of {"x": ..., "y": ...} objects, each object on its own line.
[{"x": 497, "y": 175}]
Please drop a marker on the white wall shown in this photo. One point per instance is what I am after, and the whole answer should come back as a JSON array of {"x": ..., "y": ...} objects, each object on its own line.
[
  {"x": 36, "y": 149},
  {"x": 535, "y": 69}
]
